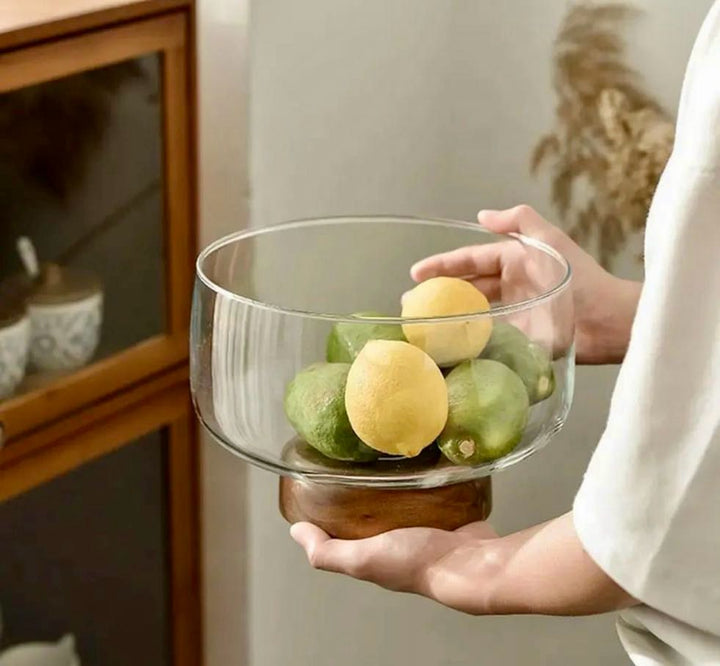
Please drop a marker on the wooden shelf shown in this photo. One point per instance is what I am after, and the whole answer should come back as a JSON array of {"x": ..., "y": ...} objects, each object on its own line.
[
  {"x": 45, "y": 404},
  {"x": 25, "y": 21},
  {"x": 53, "y": 435}
]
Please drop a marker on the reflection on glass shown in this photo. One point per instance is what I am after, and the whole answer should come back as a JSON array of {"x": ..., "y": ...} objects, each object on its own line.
[{"x": 81, "y": 180}]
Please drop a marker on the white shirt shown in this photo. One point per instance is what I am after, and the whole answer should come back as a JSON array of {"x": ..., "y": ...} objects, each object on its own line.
[{"x": 648, "y": 510}]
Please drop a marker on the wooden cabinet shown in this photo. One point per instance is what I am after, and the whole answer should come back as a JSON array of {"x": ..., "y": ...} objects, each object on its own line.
[
  {"x": 106, "y": 550},
  {"x": 97, "y": 170},
  {"x": 107, "y": 187}
]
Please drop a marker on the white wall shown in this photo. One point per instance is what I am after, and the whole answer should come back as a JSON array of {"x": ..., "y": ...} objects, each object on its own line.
[
  {"x": 406, "y": 106},
  {"x": 222, "y": 30},
  {"x": 427, "y": 108},
  {"x": 346, "y": 107}
]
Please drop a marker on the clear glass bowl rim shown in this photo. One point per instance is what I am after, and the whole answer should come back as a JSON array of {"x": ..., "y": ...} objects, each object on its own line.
[{"x": 495, "y": 311}]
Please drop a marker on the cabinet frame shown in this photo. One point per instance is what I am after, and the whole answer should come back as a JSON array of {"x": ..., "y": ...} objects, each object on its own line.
[
  {"x": 170, "y": 37},
  {"x": 161, "y": 404}
]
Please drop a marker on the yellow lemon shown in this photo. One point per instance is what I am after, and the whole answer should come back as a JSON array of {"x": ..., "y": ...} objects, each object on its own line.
[
  {"x": 447, "y": 343},
  {"x": 396, "y": 398}
]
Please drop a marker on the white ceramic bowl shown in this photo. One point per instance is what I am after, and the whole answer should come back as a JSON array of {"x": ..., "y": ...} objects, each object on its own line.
[
  {"x": 14, "y": 343},
  {"x": 64, "y": 336}
]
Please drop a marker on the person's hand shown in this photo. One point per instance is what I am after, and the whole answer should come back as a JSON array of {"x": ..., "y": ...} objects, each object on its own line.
[
  {"x": 604, "y": 304},
  {"x": 420, "y": 560},
  {"x": 543, "y": 569}
]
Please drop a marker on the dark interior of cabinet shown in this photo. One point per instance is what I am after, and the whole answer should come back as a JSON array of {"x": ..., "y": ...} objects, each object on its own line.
[
  {"x": 87, "y": 554},
  {"x": 81, "y": 174}
]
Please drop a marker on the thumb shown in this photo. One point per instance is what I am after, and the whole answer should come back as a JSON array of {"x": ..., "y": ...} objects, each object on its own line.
[
  {"x": 521, "y": 219},
  {"x": 310, "y": 537}
]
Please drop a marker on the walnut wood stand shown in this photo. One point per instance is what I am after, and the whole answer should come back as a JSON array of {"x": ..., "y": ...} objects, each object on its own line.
[
  {"x": 351, "y": 512},
  {"x": 346, "y": 512}
]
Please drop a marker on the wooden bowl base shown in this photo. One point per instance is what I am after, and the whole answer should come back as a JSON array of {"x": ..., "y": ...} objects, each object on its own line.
[{"x": 348, "y": 512}]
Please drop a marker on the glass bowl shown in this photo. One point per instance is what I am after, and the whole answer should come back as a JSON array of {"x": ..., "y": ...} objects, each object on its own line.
[{"x": 266, "y": 300}]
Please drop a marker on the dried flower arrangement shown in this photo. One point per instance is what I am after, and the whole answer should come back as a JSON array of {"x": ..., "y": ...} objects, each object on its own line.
[{"x": 611, "y": 138}]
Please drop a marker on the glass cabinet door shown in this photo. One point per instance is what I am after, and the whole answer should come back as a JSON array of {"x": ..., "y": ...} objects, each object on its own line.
[
  {"x": 81, "y": 176},
  {"x": 95, "y": 218},
  {"x": 87, "y": 555}
]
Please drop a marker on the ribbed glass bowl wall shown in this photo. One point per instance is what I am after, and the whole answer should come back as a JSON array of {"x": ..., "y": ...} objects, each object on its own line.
[{"x": 266, "y": 300}]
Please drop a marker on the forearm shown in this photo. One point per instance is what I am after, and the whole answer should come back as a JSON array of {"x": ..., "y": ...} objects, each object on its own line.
[
  {"x": 542, "y": 570},
  {"x": 548, "y": 572},
  {"x": 604, "y": 337}
]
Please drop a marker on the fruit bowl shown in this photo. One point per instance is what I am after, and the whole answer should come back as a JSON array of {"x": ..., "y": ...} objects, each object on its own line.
[{"x": 270, "y": 303}]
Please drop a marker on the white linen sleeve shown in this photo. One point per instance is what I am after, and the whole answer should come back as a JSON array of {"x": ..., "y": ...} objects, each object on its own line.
[{"x": 648, "y": 510}]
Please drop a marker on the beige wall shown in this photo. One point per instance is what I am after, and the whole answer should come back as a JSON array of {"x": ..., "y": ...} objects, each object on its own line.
[
  {"x": 406, "y": 106},
  {"x": 223, "y": 81},
  {"x": 418, "y": 108}
]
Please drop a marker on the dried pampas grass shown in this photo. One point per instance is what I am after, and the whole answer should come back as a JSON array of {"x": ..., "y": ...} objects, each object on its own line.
[{"x": 611, "y": 138}]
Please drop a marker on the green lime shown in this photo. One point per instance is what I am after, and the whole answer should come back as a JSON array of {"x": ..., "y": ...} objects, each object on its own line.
[
  {"x": 347, "y": 339},
  {"x": 315, "y": 406},
  {"x": 511, "y": 347},
  {"x": 488, "y": 412}
]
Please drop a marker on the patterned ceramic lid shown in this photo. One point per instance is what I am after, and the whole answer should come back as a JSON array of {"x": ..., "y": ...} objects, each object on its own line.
[{"x": 58, "y": 284}]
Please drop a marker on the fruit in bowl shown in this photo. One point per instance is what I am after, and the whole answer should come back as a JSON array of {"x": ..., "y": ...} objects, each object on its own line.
[
  {"x": 315, "y": 406},
  {"x": 382, "y": 391},
  {"x": 487, "y": 415},
  {"x": 396, "y": 398},
  {"x": 346, "y": 340},
  {"x": 454, "y": 341},
  {"x": 511, "y": 347},
  {"x": 275, "y": 354}
]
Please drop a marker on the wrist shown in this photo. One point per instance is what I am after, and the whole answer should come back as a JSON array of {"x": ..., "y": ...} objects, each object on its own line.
[
  {"x": 478, "y": 578},
  {"x": 605, "y": 334},
  {"x": 464, "y": 579}
]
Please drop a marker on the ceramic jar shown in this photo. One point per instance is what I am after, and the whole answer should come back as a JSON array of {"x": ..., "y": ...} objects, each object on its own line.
[
  {"x": 14, "y": 344},
  {"x": 65, "y": 310}
]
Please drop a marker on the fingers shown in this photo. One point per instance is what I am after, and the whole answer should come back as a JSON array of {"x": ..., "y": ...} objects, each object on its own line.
[
  {"x": 328, "y": 554},
  {"x": 463, "y": 262},
  {"x": 485, "y": 260},
  {"x": 521, "y": 219},
  {"x": 491, "y": 287},
  {"x": 309, "y": 537}
]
